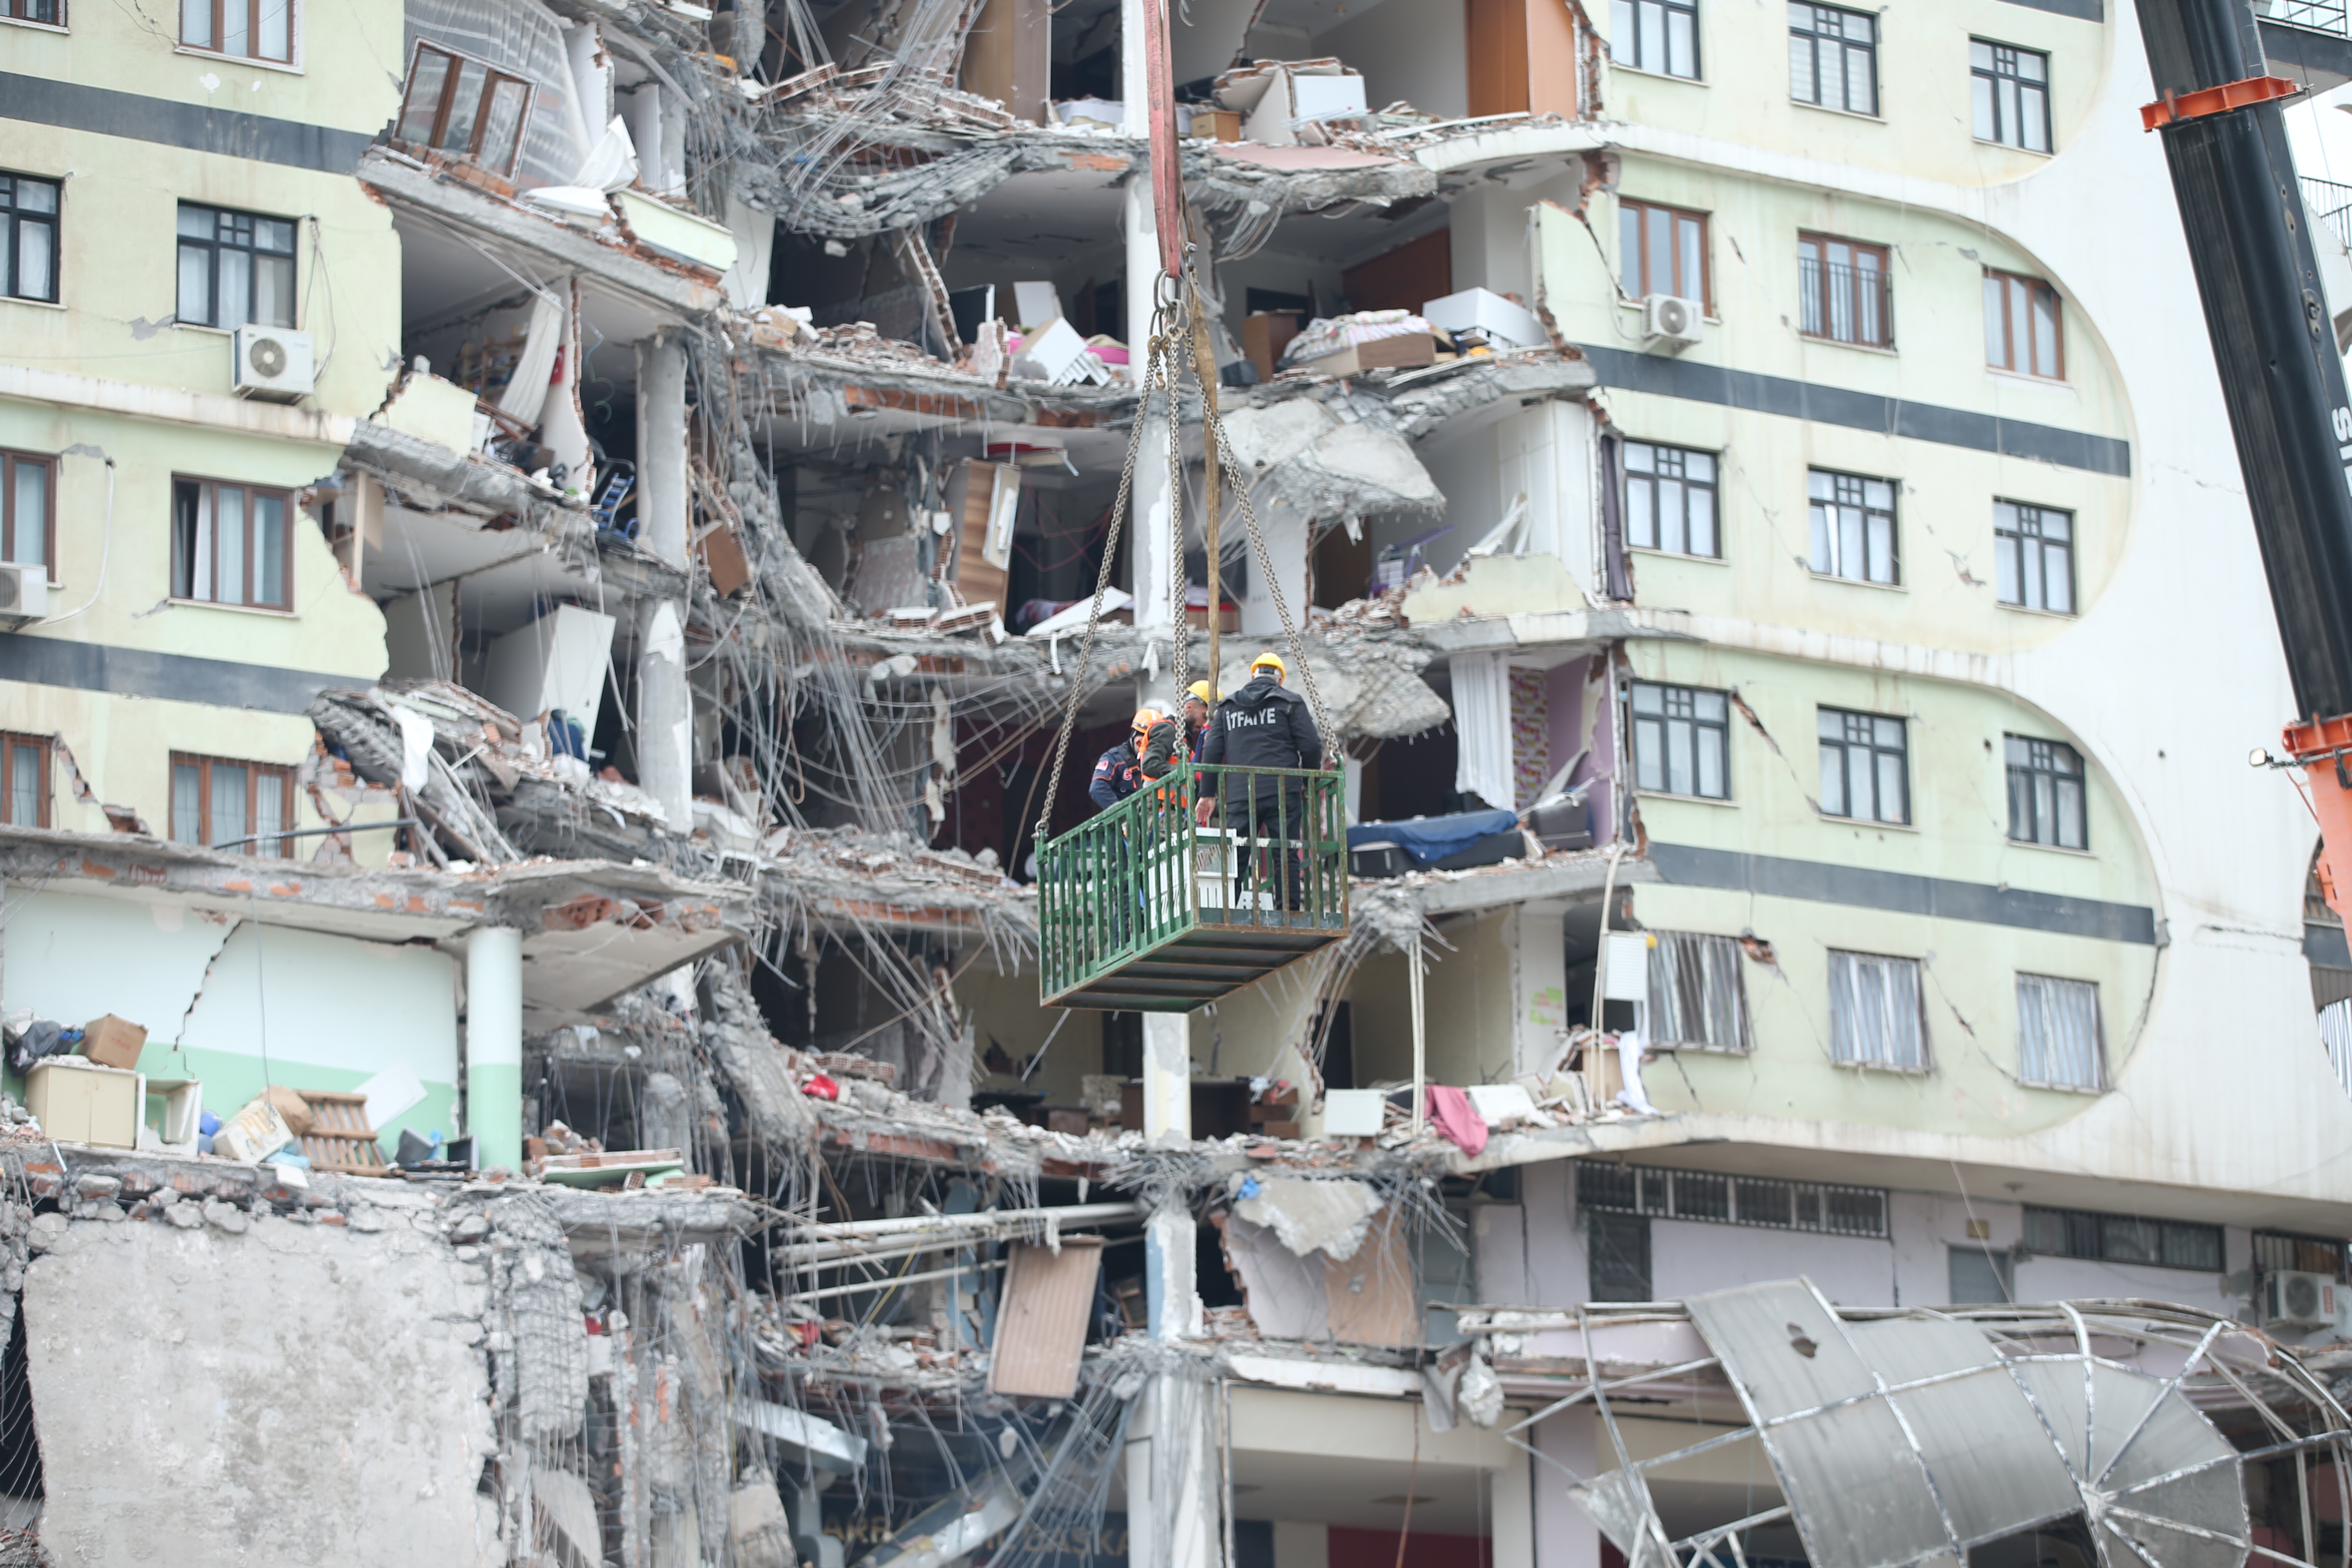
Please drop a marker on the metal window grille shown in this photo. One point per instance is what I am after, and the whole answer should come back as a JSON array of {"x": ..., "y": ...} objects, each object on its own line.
[
  {"x": 229, "y": 544},
  {"x": 464, "y": 107},
  {"x": 29, "y": 238},
  {"x": 1618, "y": 1255},
  {"x": 1876, "y": 1017},
  {"x": 1670, "y": 499},
  {"x": 2281, "y": 1252},
  {"x": 29, "y": 518},
  {"x": 2058, "y": 1033},
  {"x": 216, "y": 801},
  {"x": 1864, "y": 773},
  {"x": 1833, "y": 57},
  {"x": 1681, "y": 741},
  {"x": 235, "y": 269},
  {"x": 2033, "y": 556},
  {"x": 2335, "y": 1034},
  {"x": 2123, "y": 1239},
  {"x": 251, "y": 29},
  {"x": 1853, "y": 520},
  {"x": 1697, "y": 992},
  {"x": 25, "y": 781},
  {"x": 2332, "y": 200},
  {"x": 2045, "y": 792},
  {"x": 1825, "y": 1207},
  {"x": 1846, "y": 292},
  {"x": 2011, "y": 94},
  {"x": 2024, "y": 329},
  {"x": 1662, "y": 250},
  {"x": 1659, "y": 35}
]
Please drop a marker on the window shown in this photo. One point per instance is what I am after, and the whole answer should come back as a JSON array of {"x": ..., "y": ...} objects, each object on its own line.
[
  {"x": 1833, "y": 57},
  {"x": 53, "y": 12},
  {"x": 2033, "y": 556},
  {"x": 229, "y": 544},
  {"x": 2123, "y": 1239},
  {"x": 1659, "y": 35},
  {"x": 1846, "y": 292},
  {"x": 224, "y": 804},
  {"x": 1853, "y": 527},
  {"x": 28, "y": 515},
  {"x": 1711, "y": 1195},
  {"x": 2012, "y": 89},
  {"x": 235, "y": 269},
  {"x": 251, "y": 29},
  {"x": 29, "y": 243},
  {"x": 1875, "y": 1019},
  {"x": 2280, "y": 1252},
  {"x": 1680, "y": 738},
  {"x": 2021, "y": 326},
  {"x": 1618, "y": 1256},
  {"x": 2058, "y": 1033},
  {"x": 2045, "y": 792},
  {"x": 1663, "y": 252},
  {"x": 1864, "y": 771},
  {"x": 1980, "y": 1277},
  {"x": 1670, "y": 499},
  {"x": 1697, "y": 998},
  {"x": 464, "y": 108},
  {"x": 25, "y": 781}
]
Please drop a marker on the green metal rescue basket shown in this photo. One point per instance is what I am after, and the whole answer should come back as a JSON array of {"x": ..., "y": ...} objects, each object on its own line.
[{"x": 1142, "y": 909}]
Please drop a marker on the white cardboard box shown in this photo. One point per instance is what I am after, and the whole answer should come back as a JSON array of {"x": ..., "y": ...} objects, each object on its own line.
[
  {"x": 1353, "y": 1112},
  {"x": 1514, "y": 323}
]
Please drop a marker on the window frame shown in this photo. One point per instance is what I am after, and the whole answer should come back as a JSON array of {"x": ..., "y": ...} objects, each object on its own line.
[
  {"x": 213, "y": 247},
  {"x": 1844, "y": 45},
  {"x": 274, "y": 848},
  {"x": 1716, "y": 1197},
  {"x": 2010, "y": 551},
  {"x": 2005, "y": 287},
  {"x": 1653, "y": 481},
  {"x": 12, "y": 744},
  {"x": 492, "y": 76},
  {"x": 1846, "y": 744},
  {"x": 1626, "y": 17},
  {"x": 2285, "y": 1251},
  {"x": 1665, "y": 718},
  {"x": 2085, "y": 1233},
  {"x": 2099, "y": 1058},
  {"x": 15, "y": 11},
  {"x": 1829, "y": 538},
  {"x": 216, "y": 13},
  {"x": 2031, "y": 773},
  {"x": 1996, "y": 76},
  {"x": 13, "y": 223},
  {"x": 1996, "y": 1260},
  {"x": 11, "y": 461},
  {"x": 1926, "y": 1062},
  {"x": 1633, "y": 211},
  {"x": 184, "y": 582},
  {"x": 1694, "y": 955},
  {"x": 1817, "y": 301}
]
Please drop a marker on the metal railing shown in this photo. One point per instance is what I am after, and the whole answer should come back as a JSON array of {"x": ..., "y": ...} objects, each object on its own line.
[
  {"x": 2318, "y": 16},
  {"x": 1273, "y": 856},
  {"x": 1847, "y": 304},
  {"x": 2332, "y": 200}
]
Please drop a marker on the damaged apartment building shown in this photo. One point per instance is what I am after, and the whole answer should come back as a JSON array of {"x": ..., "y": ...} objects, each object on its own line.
[{"x": 554, "y": 555}]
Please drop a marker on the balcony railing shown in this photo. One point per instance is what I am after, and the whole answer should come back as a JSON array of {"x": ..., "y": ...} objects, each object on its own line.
[
  {"x": 2332, "y": 200},
  {"x": 1847, "y": 304},
  {"x": 2318, "y": 16}
]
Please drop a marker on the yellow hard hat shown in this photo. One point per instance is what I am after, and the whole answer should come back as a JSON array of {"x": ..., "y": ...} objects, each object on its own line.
[
  {"x": 1145, "y": 717},
  {"x": 1199, "y": 689},
  {"x": 1271, "y": 658}
]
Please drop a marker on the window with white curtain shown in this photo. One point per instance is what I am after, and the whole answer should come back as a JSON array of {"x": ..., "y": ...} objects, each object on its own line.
[
  {"x": 1697, "y": 998},
  {"x": 2058, "y": 1033},
  {"x": 1481, "y": 728},
  {"x": 1876, "y": 1020}
]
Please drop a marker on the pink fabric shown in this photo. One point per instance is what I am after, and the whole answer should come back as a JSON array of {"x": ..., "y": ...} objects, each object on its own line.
[{"x": 1452, "y": 1113}]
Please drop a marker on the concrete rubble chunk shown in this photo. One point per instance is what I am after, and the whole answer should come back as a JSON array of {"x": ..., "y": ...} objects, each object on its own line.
[{"x": 222, "y": 1214}]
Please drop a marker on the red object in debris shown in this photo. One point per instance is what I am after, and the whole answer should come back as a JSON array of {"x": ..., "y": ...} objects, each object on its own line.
[
  {"x": 809, "y": 1334},
  {"x": 822, "y": 1087}
]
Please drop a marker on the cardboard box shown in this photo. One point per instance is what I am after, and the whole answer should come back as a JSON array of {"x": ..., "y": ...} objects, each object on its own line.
[
  {"x": 1263, "y": 337},
  {"x": 78, "y": 1102},
  {"x": 1381, "y": 353},
  {"x": 252, "y": 1134},
  {"x": 291, "y": 1108},
  {"x": 1504, "y": 321},
  {"x": 1217, "y": 124},
  {"x": 113, "y": 1042}
]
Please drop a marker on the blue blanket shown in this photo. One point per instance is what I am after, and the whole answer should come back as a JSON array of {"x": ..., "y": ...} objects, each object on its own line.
[{"x": 1428, "y": 839}]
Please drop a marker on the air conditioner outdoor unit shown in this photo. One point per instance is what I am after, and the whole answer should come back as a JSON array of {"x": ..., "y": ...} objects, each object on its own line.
[
  {"x": 1670, "y": 323},
  {"x": 2305, "y": 1300},
  {"x": 24, "y": 595},
  {"x": 273, "y": 364}
]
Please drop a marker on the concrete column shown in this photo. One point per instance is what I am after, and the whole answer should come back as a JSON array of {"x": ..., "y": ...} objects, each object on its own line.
[
  {"x": 1565, "y": 1536},
  {"x": 664, "y": 734},
  {"x": 494, "y": 1046},
  {"x": 1285, "y": 546},
  {"x": 1174, "y": 1517},
  {"x": 661, "y": 447}
]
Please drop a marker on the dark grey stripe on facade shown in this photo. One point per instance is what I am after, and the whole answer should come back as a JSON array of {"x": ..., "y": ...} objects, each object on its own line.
[
  {"x": 2082, "y": 10},
  {"x": 171, "y": 676},
  {"x": 71, "y": 106},
  {"x": 1669, "y": 377},
  {"x": 1820, "y": 882}
]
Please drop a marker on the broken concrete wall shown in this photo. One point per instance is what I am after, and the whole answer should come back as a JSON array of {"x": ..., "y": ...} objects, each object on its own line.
[{"x": 287, "y": 1392}]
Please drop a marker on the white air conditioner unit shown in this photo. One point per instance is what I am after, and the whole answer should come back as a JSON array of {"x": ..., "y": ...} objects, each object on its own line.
[
  {"x": 1670, "y": 323},
  {"x": 23, "y": 594},
  {"x": 273, "y": 364},
  {"x": 2305, "y": 1301}
]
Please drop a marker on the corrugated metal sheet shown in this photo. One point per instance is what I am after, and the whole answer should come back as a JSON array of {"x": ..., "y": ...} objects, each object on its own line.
[{"x": 1041, "y": 1323}]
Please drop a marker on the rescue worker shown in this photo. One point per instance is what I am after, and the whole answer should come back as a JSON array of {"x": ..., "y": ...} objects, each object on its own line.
[
  {"x": 1264, "y": 725},
  {"x": 1146, "y": 754},
  {"x": 1197, "y": 703}
]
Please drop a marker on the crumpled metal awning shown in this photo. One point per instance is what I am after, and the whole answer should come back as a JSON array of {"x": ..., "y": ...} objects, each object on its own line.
[{"x": 1908, "y": 1438}]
